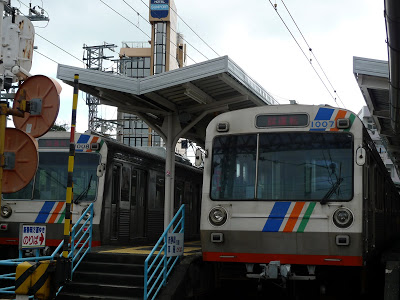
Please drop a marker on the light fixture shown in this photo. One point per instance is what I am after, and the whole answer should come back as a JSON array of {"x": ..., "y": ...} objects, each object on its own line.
[
  {"x": 343, "y": 217},
  {"x": 218, "y": 216},
  {"x": 6, "y": 211}
]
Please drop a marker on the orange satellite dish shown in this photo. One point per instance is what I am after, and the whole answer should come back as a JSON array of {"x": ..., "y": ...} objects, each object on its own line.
[
  {"x": 43, "y": 94},
  {"x": 20, "y": 150}
]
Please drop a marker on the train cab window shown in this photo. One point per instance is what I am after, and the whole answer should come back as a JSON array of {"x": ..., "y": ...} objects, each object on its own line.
[
  {"x": 305, "y": 166},
  {"x": 283, "y": 166},
  {"x": 234, "y": 167},
  {"x": 50, "y": 180}
]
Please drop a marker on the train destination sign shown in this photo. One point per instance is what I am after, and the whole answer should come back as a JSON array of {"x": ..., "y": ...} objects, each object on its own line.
[
  {"x": 32, "y": 236},
  {"x": 292, "y": 120},
  {"x": 175, "y": 244}
]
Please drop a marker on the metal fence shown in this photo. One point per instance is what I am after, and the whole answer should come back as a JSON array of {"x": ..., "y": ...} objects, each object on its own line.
[
  {"x": 81, "y": 238},
  {"x": 156, "y": 274}
]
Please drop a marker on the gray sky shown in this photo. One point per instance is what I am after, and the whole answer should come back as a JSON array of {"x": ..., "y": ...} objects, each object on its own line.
[{"x": 249, "y": 32}]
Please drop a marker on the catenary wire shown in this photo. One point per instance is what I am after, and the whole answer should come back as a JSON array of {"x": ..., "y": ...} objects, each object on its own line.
[
  {"x": 170, "y": 27},
  {"x": 301, "y": 49},
  {"x": 140, "y": 28},
  {"x": 188, "y": 27},
  {"x": 310, "y": 49},
  {"x": 50, "y": 43},
  {"x": 58, "y": 47},
  {"x": 20, "y": 2},
  {"x": 46, "y": 56}
]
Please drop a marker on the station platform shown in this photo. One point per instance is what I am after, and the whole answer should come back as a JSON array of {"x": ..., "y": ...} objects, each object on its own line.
[{"x": 190, "y": 248}]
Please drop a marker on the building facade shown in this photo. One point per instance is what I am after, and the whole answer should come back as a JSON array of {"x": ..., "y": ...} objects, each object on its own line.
[{"x": 164, "y": 52}]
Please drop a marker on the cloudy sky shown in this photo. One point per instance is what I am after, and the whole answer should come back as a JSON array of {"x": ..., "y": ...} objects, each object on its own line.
[{"x": 249, "y": 32}]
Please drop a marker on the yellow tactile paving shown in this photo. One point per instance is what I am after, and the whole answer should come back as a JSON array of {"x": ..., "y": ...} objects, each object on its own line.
[{"x": 189, "y": 248}]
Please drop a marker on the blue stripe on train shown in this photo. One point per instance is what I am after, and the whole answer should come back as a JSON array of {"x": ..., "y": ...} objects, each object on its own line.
[
  {"x": 83, "y": 139},
  {"x": 324, "y": 114},
  {"x": 44, "y": 212},
  {"x": 276, "y": 217}
]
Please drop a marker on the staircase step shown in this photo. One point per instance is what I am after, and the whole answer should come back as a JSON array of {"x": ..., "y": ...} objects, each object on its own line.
[
  {"x": 110, "y": 278},
  {"x": 116, "y": 257},
  {"x": 77, "y": 296},
  {"x": 111, "y": 267},
  {"x": 106, "y": 290}
]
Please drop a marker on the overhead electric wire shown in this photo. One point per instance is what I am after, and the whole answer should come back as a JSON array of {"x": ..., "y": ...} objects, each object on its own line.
[
  {"x": 49, "y": 42},
  {"x": 141, "y": 29},
  {"x": 46, "y": 56},
  {"x": 310, "y": 49},
  {"x": 59, "y": 47},
  {"x": 189, "y": 28},
  {"x": 301, "y": 49},
  {"x": 125, "y": 18},
  {"x": 170, "y": 28}
]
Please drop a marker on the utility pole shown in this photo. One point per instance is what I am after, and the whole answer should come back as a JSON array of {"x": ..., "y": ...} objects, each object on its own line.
[{"x": 94, "y": 61}]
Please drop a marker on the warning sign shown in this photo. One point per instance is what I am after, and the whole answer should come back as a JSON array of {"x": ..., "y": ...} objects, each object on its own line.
[{"x": 32, "y": 236}]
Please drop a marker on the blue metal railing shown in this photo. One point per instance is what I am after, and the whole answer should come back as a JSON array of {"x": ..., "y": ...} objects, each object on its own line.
[
  {"x": 161, "y": 265},
  {"x": 81, "y": 230}
]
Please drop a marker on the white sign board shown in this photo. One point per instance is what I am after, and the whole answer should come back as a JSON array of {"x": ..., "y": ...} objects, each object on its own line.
[
  {"x": 175, "y": 244},
  {"x": 32, "y": 236}
]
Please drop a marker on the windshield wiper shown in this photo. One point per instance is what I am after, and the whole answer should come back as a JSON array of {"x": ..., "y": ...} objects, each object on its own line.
[
  {"x": 84, "y": 192},
  {"x": 332, "y": 190}
]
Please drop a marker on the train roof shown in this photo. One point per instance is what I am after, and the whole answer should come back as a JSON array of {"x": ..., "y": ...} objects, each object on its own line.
[{"x": 116, "y": 146}]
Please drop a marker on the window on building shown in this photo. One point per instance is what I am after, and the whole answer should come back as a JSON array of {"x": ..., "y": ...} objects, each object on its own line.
[{"x": 136, "y": 67}]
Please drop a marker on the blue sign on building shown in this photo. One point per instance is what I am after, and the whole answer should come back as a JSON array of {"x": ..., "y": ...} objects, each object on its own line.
[{"x": 159, "y": 8}]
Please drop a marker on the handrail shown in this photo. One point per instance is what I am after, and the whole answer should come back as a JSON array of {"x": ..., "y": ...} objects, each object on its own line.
[
  {"x": 156, "y": 274},
  {"x": 76, "y": 249}
]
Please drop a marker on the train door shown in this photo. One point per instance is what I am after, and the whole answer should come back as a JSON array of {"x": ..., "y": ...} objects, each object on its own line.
[
  {"x": 138, "y": 202},
  {"x": 128, "y": 204},
  {"x": 115, "y": 200}
]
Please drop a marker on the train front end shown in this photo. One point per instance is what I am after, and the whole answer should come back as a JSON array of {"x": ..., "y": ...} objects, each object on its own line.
[
  {"x": 33, "y": 218},
  {"x": 282, "y": 190}
]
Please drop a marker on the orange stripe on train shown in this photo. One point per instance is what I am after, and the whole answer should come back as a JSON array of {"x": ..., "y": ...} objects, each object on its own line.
[{"x": 294, "y": 216}]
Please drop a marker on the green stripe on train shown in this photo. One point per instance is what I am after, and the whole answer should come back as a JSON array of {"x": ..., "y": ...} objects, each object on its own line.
[{"x": 306, "y": 217}]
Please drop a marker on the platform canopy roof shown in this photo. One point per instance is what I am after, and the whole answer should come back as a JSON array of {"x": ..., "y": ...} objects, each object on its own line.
[
  {"x": 373, "y": 79},
  {"x": 194, "y": 94}
]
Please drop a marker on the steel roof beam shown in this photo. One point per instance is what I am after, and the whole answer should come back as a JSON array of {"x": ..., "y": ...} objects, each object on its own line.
[
  {"x": 197, "y": 94},
  {"x": 241, "y": 89},
  {"x": 161, "y": 101},
  {"x": 212, "y": 106}
]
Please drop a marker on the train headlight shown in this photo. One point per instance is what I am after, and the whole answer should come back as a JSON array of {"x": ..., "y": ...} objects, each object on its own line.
[
  {"x": 6, "y": 211},
  {"x": 218, "y": 216},
  {"x": 87, "y": 215},
  {"x": 343, "y": 217}
]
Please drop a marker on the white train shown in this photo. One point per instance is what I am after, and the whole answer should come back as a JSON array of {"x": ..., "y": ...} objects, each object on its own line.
[
  {"x": 125, "y": 184},
  {"x": 292, "y": 191}
]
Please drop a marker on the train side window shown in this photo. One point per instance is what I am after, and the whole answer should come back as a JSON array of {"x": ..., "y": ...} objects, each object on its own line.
[
  {"x": 116, "y": 183},
  {"x": 133, "y": 187},
  {"x": 379, "y": 196},
  {"x": 125, "y": 182},
  {"x": 158, "y": 202},
  {"x": 179, "y": 188},
  {"x": 366, "y": 180},
  {"x": 371, "y": 185}
]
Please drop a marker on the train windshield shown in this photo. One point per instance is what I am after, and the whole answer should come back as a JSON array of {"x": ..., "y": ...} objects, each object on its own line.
[
  {"x": 50, "y": 181},
  {"x": 291, "y": 166}
]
